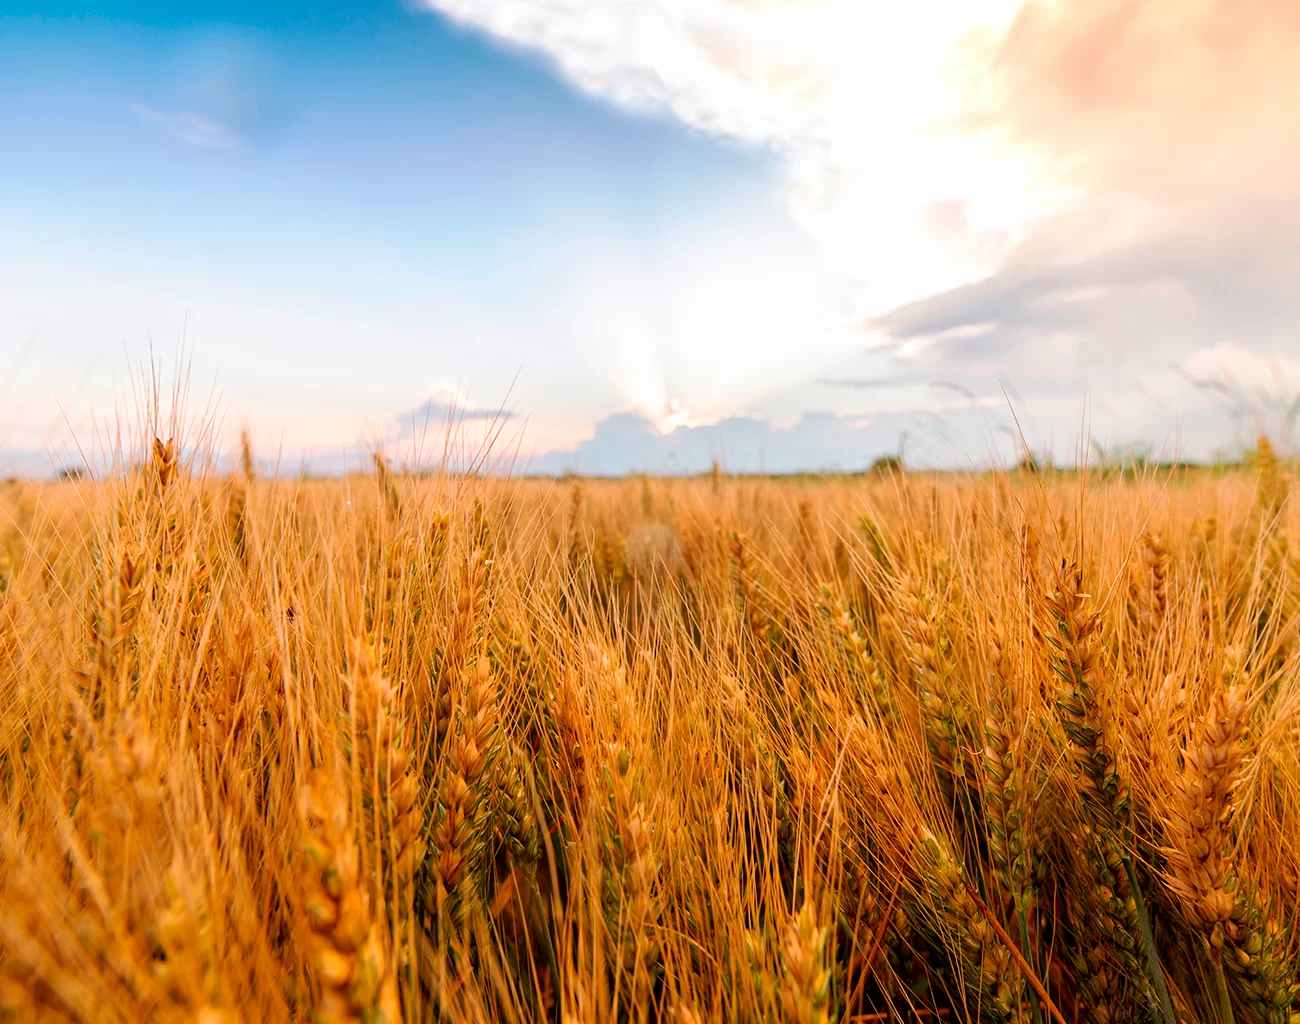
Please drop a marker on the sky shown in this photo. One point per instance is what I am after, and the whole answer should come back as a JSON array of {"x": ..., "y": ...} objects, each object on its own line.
[{"x": 623, "y": 235}]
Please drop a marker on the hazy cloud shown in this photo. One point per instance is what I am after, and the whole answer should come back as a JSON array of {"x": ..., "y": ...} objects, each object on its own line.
[
  {"x": 219, "y": 89},
  {"x": 188, "y": 127},
  {"x": 867, "y": 383},
  {"x": 443, "y": 409},
  {"x": 1173, "y": 100}
]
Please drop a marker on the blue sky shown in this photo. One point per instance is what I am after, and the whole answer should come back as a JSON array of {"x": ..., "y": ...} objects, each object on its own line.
[{"x": 624, "y": 227}]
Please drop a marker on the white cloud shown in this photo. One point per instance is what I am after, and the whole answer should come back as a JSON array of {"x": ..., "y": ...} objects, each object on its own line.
[{"x": 852, "y": 94}]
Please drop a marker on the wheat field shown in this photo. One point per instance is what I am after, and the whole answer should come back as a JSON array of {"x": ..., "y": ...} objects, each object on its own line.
[{"x": 991, "y": 747}]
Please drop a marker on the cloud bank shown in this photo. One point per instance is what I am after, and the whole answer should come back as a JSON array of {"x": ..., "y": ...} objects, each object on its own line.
[
  {"x": 1210, "y": 406},
  {"x": 630, "y": 443}
]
